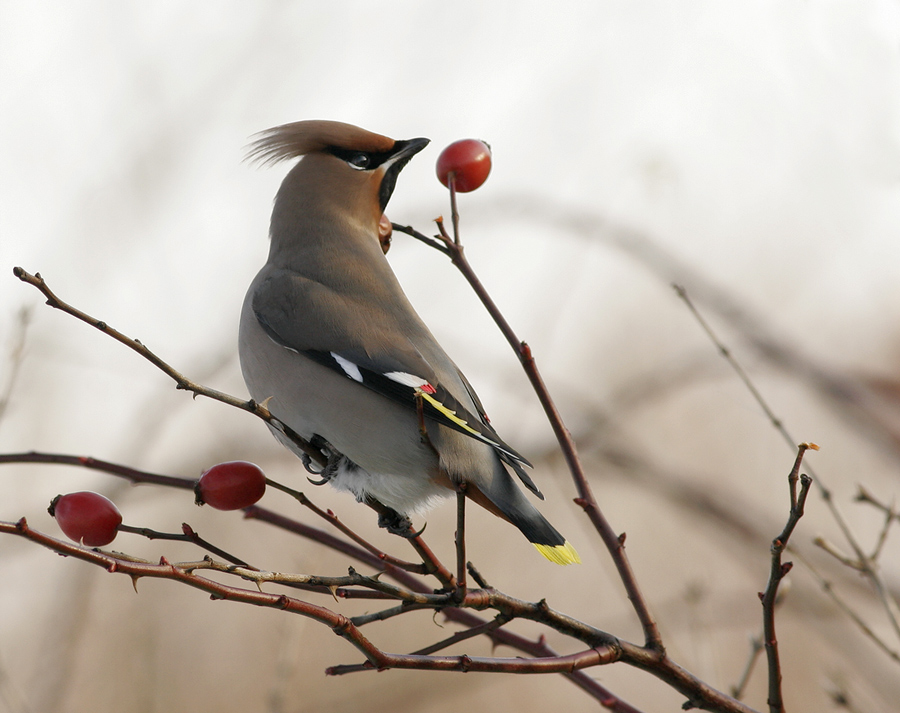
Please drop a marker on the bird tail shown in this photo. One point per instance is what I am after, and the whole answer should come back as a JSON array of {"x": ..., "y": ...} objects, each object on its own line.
[{"x": 504, "y": 498}]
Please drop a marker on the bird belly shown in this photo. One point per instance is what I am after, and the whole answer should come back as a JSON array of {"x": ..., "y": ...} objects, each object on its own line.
[{"x": 379, "y": 437}]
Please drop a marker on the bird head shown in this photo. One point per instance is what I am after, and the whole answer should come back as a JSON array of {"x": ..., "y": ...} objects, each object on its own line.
[{"x": 352, "y": 170}]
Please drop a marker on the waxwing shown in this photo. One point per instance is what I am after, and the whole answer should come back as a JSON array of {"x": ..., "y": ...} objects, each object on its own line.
[{"x": 330, "y": 343}]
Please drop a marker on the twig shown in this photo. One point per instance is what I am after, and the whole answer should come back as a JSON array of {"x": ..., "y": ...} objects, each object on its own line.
[
  {"x": 600, "y": 653},
  {"x": 890, "y": 514},
  {"x": 378, "y": 559},
  {"x": 864, "y": 496},
  {"x": 352, "y": 579},
  {"x": 181, "y": 381},
  {"x": 16, "y": 355},
  {"x": 136, "y": 569},
  {"x": 385, "y": 614},
  {"x": 476, "y": 575},
  {"x": 330, "y": 517},
  {"x": 831, "y": 549},
  {"x": 867, "y": 567},
  {"x": 460, "y": 591},
  {"x": 486, "y": 628},
  {"x": 851, "y": 396},
  {"x": 828, "y": 588},
  {"x": 890, "y": 606},
  {"x": 187, "y": 534},
  {"x": 777, "y": 572},
  {"x": 603, "y": 648},
  {"x": 615, "y": 544},
  {"x": 756, "y": 647},
  {"x": 131, "y": 474},
  {"x": 454, "y": 213}
]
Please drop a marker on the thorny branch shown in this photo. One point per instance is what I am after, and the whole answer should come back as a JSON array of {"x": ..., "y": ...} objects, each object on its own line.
[
  {"x": 259, "y": 410},
  {"x": 603, "y": 647},
  {"x": 615, "y": 544},
  {"x": 181, "y": 381}
]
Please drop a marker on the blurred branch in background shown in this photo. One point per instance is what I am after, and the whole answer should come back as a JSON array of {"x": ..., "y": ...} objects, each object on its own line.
[
  {"x": 869, "y": 405},
  {"x": 862, "y": 402},
  {"x": 414, "y": 594},
  {"x": 14, "y": 358},
  {"x": 604, "y": 648}
]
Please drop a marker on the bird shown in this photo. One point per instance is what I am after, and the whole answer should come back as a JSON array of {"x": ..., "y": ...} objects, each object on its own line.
[{"x": 329, "y": 342}]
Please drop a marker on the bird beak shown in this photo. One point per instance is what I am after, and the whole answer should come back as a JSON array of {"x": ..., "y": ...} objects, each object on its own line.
[{"x": 403, "y": 152}]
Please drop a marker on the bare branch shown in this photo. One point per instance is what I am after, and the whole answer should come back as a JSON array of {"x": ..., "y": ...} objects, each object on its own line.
[
  {"x": 615, "y": 543},
  {"x": 16, "y": 356},
  {"x": 181, "y": 381},
  {"x": 756, "y": 647},
  {"x": 890, "y": 606},
  {"x": 828, "y": 588},
  {"x": 602, "y": 648},
  {"x": 777, "y": 572}
]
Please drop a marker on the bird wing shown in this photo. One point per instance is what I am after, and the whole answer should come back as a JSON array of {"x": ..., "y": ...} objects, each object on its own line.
[{"x": 356, "y": 337}]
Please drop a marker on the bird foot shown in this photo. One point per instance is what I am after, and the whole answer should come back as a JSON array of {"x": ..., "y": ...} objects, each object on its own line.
[
  {"x": 329, "y": 470},
  {"x": 397, "y": 523}
]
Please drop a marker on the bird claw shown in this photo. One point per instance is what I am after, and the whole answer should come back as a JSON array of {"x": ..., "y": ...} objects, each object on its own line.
[
  {"x": 330, "y": 469},
  {"x": 416, "y": 534},
  {"x": 308, "y": 464}
]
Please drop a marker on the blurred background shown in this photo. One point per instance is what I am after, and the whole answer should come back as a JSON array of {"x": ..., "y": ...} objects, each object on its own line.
[{"x": 750, "y": 153}]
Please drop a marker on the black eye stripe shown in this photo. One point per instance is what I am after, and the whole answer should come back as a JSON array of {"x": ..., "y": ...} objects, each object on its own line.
[{"x": 362, "y": 160}]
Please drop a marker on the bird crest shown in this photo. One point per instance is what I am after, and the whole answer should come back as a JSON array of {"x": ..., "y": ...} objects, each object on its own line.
[{"x": 288, "y": 141}]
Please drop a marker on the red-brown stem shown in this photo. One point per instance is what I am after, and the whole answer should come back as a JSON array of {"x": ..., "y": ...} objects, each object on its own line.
[
  {"x": 460, "y": 592},
  {"x": 337, "y": 622},
  {"x": 181, "y": 381},
  {"x": 556, "y": 664},
  {"x": 614, "y": 543},
  {"x": 604, "y": 650},
  {"x": 139, "y": 476},
  {"x": 454, "y": 213},
  {"x": 335, "y": 521},
  {"x": 131, "y": 474},
  {"x": 777, "y": 572},
  {"x": 187, "y": 534},
  {"x": 432, "y": 564},
  {"x": 583, "y": 680}
]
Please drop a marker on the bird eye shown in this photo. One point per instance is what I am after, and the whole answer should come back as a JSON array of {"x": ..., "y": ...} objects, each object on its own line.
[{"x": 359, "y": 161}]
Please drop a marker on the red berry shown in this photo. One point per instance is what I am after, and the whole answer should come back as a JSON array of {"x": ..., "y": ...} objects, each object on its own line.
[
  {"x": 231, "y": 486},
  {"x": 86, "y": 517},
  {"x": 469, "y": 160}
]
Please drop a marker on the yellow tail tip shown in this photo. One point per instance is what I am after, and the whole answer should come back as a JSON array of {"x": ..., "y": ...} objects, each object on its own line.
[{"x": 559, "y": 554}]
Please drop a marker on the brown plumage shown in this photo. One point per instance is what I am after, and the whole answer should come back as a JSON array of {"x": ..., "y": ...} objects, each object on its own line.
[
  {"x": 304, "y": 137},
  {"x": 329, "y": 337}
]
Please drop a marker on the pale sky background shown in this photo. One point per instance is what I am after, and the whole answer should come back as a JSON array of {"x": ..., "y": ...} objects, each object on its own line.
[{"x": 749, "y": 151}]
